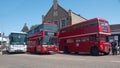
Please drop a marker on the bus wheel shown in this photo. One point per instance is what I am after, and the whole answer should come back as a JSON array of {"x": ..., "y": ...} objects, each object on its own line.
[
  {"x": 94, "y": 51},
  {"x": 66, "y": 51},
  {"x": 35, "y": 50},
  {"x": 106, "y": 53},
  {"x": 76, "y": 52}
]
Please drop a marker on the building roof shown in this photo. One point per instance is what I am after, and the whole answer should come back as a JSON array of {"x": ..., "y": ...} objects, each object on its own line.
[
  {"x": 115, "y": 32},
  {"x": 115, "y": 27},
  {"x": 58, "y": 6},
  {"x": 79, "y": 15},
  {"x": 67, "y": 11}
]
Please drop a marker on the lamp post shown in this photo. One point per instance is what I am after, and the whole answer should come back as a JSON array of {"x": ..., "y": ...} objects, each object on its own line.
[{"x": 2, "y": 35}]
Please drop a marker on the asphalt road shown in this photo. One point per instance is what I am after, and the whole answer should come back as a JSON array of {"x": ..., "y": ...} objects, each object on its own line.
[{"x": 58, "y": 61}]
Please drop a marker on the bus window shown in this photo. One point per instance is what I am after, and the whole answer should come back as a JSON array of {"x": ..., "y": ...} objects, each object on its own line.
[
  {"x": 70, "y": 41},
  {"x": 102, "y": 38},
  {"x": 11, "y": 40},
  {"x": 104, "y": 26},
  {"x": 39, "y": 41},
  {"x": 103, "y": 23},
  {"x": 84, "y": 39},
  {"x": 53, "y": 41},
  {"x": 93, "y": 23},
  {"x": 93, "y": 38},
  {"x": 77, "y": 40}
]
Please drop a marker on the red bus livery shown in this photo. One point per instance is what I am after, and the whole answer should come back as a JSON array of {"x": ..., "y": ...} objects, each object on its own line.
[
  {"x": 43, "y": 39},
  {"x": 86, "y": 37}
]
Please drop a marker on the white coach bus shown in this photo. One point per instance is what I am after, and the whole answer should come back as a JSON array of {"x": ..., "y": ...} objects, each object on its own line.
[{"x": 17, "y": 42}]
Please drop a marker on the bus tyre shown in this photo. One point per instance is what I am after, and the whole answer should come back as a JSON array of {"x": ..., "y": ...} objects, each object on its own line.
[
  {"x": 35, "y": 50},
  {"x": 94, "y": 51},
  {"x": 66, "y": 51},
  {"x": 106, "y": 53}
]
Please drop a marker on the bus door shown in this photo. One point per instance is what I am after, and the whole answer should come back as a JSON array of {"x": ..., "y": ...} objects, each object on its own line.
[
  {"x": 32, "y": 45},
  {"x": 77, "y": 45},
  {"x": 70, "y": 45},
  {"x": 39, "y": 43}
]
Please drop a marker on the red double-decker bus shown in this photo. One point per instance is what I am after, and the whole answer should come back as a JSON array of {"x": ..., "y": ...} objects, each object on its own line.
[
  {"x": 43, "y": 39},
  {"x": 86, "y": 37}
]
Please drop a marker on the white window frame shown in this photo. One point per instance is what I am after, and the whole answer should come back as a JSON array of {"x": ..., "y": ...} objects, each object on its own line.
[
  {"x": 57, "y": 22},
  {"x": 61, "y": 22}
]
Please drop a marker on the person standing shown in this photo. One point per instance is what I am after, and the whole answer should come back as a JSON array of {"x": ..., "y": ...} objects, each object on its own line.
[
  {"x": 114, "y": 47},
  {"x": 0, "y": 49}
]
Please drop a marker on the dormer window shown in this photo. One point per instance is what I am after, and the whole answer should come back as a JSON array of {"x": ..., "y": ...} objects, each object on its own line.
[{"x": 63, "y": 23}]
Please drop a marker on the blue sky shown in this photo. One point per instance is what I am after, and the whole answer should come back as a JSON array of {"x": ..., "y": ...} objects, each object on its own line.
[{"x": 14, "y": 13}]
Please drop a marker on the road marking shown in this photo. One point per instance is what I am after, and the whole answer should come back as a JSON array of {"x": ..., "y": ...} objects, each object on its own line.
[{"x": 116, "y": 61}]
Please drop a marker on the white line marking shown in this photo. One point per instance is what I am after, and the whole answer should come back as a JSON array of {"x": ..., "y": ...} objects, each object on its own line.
[{"x": 116, "y": 61}]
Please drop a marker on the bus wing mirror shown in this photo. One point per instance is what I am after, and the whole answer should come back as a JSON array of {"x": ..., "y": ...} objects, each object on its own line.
[{"x": 12, "y": 39}]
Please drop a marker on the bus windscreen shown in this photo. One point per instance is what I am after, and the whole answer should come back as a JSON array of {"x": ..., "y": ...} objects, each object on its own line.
[
  {"x": 50, "y": 27},
  {"x": 18, "y": 39}
]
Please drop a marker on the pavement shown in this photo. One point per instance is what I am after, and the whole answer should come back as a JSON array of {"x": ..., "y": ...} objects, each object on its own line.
[{"x": 60, "y": 60}]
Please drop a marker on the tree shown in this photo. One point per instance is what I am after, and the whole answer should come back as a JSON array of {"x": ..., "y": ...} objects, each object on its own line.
[
  {"x": 25, "y": 28},
  {"x": 33, "y": 26}
]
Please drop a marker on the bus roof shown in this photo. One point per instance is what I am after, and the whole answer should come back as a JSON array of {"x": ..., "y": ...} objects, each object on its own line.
[
  {"x": 43, "y": 24},
  {"x": 97, "y": 19},
  {"x": 18, "y": 32}
]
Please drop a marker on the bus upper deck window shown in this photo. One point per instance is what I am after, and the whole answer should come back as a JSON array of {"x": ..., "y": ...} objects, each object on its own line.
[{"x": 103, "y": 23}]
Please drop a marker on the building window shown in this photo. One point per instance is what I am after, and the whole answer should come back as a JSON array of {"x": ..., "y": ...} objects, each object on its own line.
[
  {"x": 63, "y": 23},
  {"x": 56, "y": 22}
]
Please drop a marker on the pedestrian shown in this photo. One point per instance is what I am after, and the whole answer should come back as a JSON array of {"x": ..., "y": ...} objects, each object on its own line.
[
  {"x": 1, "y": 50},
  {"x": 114, "y": 47}
]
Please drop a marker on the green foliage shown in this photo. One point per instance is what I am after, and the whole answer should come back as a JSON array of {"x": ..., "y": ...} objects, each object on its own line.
[{"x": 33, "y": 26}]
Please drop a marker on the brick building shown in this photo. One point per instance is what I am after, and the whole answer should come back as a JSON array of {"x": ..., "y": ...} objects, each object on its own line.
[{"x": 60, "y": 16}]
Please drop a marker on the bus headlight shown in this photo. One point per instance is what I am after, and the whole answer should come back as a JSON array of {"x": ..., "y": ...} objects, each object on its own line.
[
  {"x": 12, "y": 46},
  {"x": 56, "y": 48},
  {"x": 44, "y": 48},
  {"x": 101, "y": 47}
]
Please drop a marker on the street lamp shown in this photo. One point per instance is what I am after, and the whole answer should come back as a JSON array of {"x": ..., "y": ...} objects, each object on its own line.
[{"x": 2, "y": 35}]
